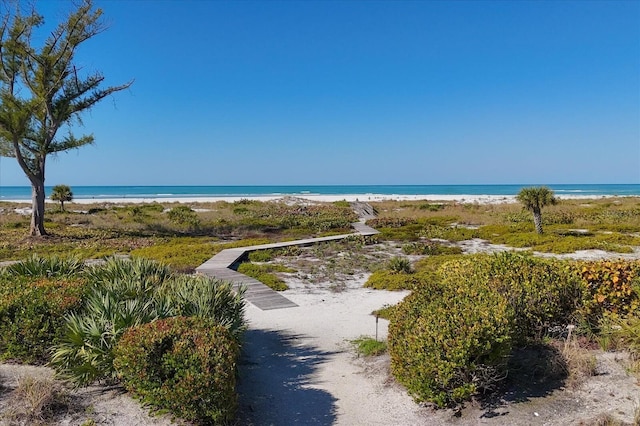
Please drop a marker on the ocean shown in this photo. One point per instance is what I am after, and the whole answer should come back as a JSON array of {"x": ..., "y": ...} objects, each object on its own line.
[{"x": 159, "y": 192}]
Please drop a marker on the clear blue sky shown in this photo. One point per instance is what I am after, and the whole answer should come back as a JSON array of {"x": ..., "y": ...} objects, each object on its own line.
[{"x": 359, "y": 92}]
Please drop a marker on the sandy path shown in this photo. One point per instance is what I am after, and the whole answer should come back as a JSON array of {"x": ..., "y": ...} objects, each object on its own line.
[{"x": 298, "y": 366}]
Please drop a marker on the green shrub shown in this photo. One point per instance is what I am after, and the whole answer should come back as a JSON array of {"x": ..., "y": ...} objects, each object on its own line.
[
  {"x": 32, "y": 314},
  {"x": 449, "y": 338},
  {"x": 342, "y": 203},
  {"x": 541, "y": 292},
  {"x": 384, "y": 312},
  {"x": 610, "y": 288},
  {"x": 130, "y": 293},
  {"x": 400, "y": 265},
  {"x": 265, "y": 274},
  {"x": 387, "y": 280},
  {"x": 187, "y": 253},
  {"x": 396, "y": 229},
  {"x": 390, "y": 222},
  {"x": 184, "y": 365},
  {"x": 261, "y": 256},
  {"x": 431, "y": 207},
  {"x": 430, "y": 248},
  {"x": 445, "y": 345},
  {"x": 184, "y": 215},
  {"x": 447, "y": 232},
  {"x": 432, "y": 264}
]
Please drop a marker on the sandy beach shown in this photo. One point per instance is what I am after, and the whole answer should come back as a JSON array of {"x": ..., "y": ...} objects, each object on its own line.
[{"x": 460, "y": 198}]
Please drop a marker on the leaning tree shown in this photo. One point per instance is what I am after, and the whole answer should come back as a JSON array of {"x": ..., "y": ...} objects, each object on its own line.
[
  {"x": 534, "y": 199},
  {"x": 42, "y": 91}
]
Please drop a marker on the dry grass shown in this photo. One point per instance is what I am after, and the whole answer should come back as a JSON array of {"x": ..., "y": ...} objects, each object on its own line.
[
  {"x": 602, "y": 420},
  {"x": 591, "y": 212},
  {"x": 35, "y": 401},
  {"x": 580, "y": 362}
]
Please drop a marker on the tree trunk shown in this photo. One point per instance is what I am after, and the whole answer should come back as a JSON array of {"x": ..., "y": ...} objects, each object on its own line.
[
  {"x": 37, "y": 205},
  {"x": 537, "y": 220}
]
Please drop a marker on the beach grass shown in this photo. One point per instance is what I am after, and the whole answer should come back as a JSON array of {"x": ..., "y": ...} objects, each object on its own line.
[
  {"x": 601, "y": 224},
  {"x": 104, "y": 229},
  {"x": 183, "y": 240}
]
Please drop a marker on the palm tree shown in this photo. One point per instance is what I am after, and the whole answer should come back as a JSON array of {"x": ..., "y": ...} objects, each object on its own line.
[
  {"x": 61, "y": 193},
  {"x": 534, "y": 199}
]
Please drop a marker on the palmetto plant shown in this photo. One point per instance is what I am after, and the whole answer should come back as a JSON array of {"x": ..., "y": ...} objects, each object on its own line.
[
  {"x": 46, "y": 267},
  {"x": 86, "y": 352},
  {"x": 206, "y": 298},
  {"x": 400, "y": 265},
  {"x": 131, "y": 293},
  {"x": 147, "y": 273},
  {"x": 534, "y": 199},
  {"x": 61, "y": 193}
]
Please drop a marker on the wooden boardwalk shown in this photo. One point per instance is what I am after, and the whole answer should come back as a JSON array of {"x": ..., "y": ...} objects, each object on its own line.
[{"x": 222, "y": 266}]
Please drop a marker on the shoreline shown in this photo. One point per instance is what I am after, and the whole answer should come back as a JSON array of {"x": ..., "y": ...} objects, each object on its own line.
[{"x": 461, "y": 198}]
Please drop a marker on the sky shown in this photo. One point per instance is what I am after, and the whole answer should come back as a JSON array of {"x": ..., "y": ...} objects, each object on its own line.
[{"x": 357, "y": 92}]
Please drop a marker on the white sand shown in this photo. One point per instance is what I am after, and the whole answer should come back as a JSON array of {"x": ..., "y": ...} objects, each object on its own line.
[
  {"x": 299, "y": 366},
  {"x": 463, "y": 198}
]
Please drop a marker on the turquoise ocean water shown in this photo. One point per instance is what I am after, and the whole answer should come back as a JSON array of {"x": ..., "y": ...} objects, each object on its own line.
[{"x": 106, "y": 192}]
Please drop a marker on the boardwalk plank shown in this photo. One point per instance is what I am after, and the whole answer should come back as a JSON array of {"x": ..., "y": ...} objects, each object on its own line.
[{"x": 256, "y": 293}]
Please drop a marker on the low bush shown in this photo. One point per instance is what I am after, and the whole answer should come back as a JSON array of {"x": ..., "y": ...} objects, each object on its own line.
[
  {"x": 131, "y": 293},
  {"x": 432, "y": 264},
  {"x": 85, "y": 352},
  {"x": 396, "y": 229},
  {"x": 447, "y": 232},
  {"x": 388, "y": 280},
  {"x": 384, "y": 312},
  {"x": 265, "y": 274},
  {"x": 187, "y": 253},
  {"x": 627, "y": 333},
  {"x": 541, "y": 292},
  {"x": 181, "y": 254},
  {"x": 185, "y": 365},
  {"x": 431, "y": 207},
  {"x": 390, "y": 222},
  {"x": 449, "y": 338},
  {"x": 430, "y": 248},
  {"x": 261, "y": 255},
  {"x": 400, "y": 265},
  {"x": 32, "y": 314},
  {"x": 185, "y": 216},
  {"x": 342, "y": 203},
  {"x": 610, "y": 288},
  {"x": 445, "y": 345}
]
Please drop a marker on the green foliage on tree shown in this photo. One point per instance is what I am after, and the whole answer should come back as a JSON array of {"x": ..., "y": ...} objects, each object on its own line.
[
  {"x": 43, "y": 91},
  {"x": 534, "y": 199},
  {"x": 61, "y": 193}
]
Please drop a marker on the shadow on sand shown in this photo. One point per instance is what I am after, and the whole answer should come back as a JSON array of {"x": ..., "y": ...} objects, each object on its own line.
[
  {"x": 276, "y": 379},
  {"x": 534, "y": 372}
]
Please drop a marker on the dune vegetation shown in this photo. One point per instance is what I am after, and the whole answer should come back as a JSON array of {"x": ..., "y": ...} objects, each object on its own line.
[{"x": 108, "y": 295}]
